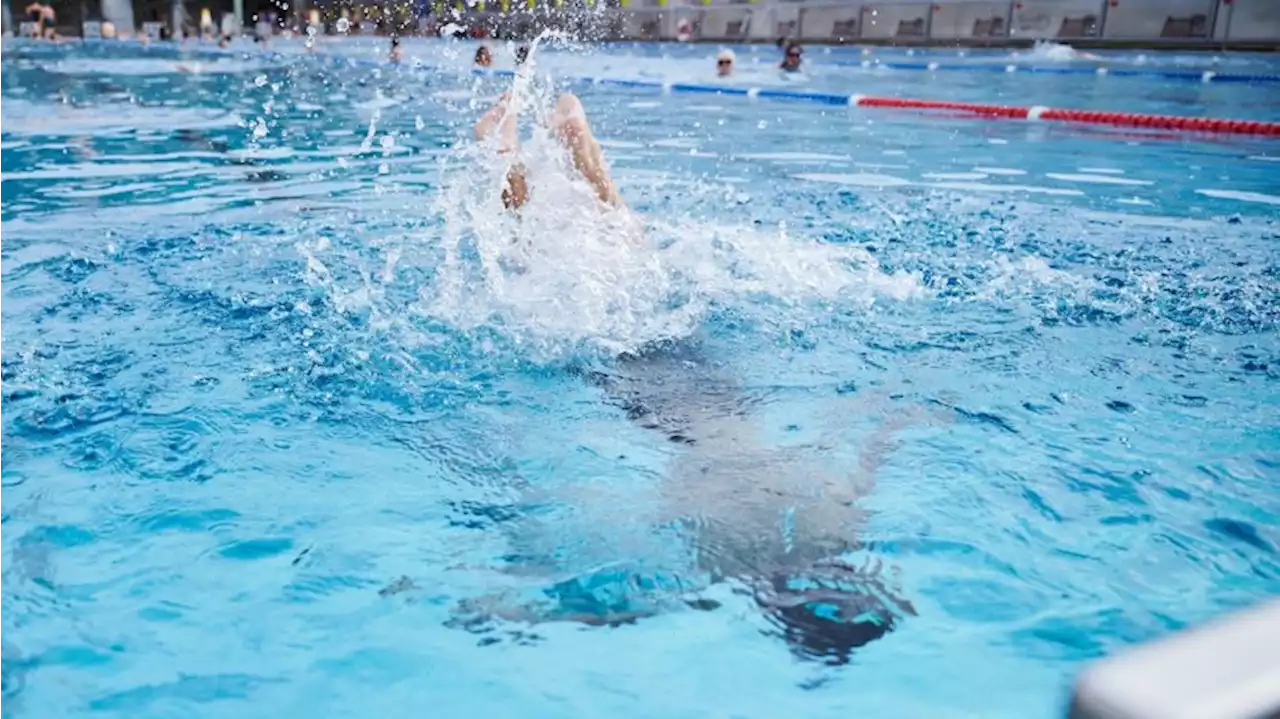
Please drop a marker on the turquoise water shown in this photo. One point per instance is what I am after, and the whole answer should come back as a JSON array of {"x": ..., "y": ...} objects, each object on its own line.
[{"x": 291, "y": 425}]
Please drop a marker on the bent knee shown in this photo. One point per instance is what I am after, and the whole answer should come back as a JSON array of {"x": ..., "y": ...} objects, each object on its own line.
[
  {"x": 569, "y": 114},
  {"x": 568, "y": 104}
]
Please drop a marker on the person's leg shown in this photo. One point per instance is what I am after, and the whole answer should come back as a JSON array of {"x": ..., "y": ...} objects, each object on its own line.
[
  {"x": 499, "y": 118},
  {"x": 570, "y": 123}
]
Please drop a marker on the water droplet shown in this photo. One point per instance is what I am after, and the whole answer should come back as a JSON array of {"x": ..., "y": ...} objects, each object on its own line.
[{"x": 260, "y": 80}]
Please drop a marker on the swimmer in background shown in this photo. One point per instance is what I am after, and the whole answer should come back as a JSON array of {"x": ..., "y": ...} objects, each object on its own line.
[
  {"x": 484, "y": 58},
  {"x": 108, "y": 30},
  {"x": 397, "y": 52},
  {"x": 522, "y": 54},
  {"x": 724, "y": 63},
  {"x": 791, "y": 59},
  {"x": 224, "y": 42}
]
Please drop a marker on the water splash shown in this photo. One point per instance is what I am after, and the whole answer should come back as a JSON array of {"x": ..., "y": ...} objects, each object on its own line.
[
  {"x": 1054, "y": 52},
  {"x": 565, "y": 275}
]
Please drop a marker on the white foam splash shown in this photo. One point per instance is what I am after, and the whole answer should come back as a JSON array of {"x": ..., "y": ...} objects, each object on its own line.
[
  {"x": 1054, "y": 52},
  {"x": 565, "y": 275},
  {"x": 1017, "y": 277},
  {"x": 1095, "y": 178},
  {"x": 1241, "y": 196}
]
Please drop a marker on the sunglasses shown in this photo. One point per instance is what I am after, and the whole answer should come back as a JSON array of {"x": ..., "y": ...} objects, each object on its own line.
[{"x": 724, "y": 62}]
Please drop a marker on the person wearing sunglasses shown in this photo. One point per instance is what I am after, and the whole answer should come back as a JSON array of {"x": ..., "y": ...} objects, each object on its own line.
[
  {"x": 791, "y": 60},
  {"x": 724, "y": 63}
]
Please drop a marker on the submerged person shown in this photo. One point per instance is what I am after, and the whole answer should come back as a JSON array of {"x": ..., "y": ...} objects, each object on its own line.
[
  {"x": 724, "y": 63},
  {"x": 770, "y": 522},
  {"x": 484, "y": 58},
  {"x": 741, "y": 511}
]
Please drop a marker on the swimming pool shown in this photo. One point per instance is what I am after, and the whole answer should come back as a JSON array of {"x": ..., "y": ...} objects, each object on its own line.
[{"x": 280, "y": 414}]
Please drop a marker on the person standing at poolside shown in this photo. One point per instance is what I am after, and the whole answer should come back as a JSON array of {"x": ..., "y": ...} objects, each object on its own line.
[
  {"x": 35, "y": 16},
  {"x": 43, "y": 17}
]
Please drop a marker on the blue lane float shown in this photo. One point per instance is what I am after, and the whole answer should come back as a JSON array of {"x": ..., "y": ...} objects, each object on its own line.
[{"x": 825, "y": 98}]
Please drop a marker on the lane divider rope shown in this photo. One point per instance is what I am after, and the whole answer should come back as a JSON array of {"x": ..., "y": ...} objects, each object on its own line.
[
  {"x": 1184, "y": 75},
  {"x": 1036, "y": 113},
  {"x": 1014, "y": 112}
]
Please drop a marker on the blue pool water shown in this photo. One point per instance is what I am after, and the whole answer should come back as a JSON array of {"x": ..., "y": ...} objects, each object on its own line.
[{"x": 292, "y": 426}]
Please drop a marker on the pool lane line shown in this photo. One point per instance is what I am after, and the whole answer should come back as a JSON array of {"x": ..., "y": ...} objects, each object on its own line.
[
  {"x": 1213, "y": 125},
  {"x": 1099, "y": 71},
  {"x": 1216, "y": 125}
]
